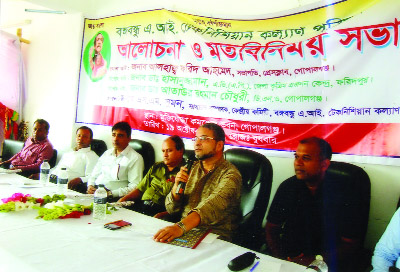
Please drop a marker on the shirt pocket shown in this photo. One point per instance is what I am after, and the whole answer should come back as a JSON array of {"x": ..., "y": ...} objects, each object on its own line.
[
  {"x": 31, "y": 156},
  {"x": 121, "y": 172}
]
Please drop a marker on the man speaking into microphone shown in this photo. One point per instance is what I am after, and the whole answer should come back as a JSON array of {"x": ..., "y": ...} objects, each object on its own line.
[{"x": 211, "y": 198}]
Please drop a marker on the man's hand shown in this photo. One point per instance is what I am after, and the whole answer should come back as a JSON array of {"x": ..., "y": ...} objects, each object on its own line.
[
  {"x": 125, "y": 198},
  {"x": 272, "y": 235},
  {"x": 34, "y": 176},
  {"x": 168, "y": 234},
  {"x": 301, "y": 259},
  {"x": 134, "y": 195},
  {"x": 161, "y": 215},
  {"x": 73, "y": 183},
  {"x": 181, "y": 176},
  {"x": 91, "y": 189}
]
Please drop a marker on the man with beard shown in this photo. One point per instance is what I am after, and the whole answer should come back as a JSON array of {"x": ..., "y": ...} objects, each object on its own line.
[
  {"x": 212, "y": 195},
  {"x": 36, "y": 149}
]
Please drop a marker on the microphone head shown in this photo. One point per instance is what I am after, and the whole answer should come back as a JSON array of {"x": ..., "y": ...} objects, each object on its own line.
[
  {"x": 181, "y": 186},
  {"x": 189, "y": 165}
]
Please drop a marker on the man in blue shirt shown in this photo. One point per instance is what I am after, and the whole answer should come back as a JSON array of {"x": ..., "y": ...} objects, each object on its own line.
[{"x": 387, "y": 250}]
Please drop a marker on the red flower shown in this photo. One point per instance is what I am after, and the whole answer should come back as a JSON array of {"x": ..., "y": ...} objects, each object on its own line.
[
  {"x": 74, "y": 214},
  {"x": 87, "y": 211}
]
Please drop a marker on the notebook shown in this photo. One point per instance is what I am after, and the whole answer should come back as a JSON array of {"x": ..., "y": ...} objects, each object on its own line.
[{"x": 191, "y": 239}]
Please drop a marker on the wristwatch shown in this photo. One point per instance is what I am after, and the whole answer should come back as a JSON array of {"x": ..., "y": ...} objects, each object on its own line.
[{"x": 182, "y": 226}]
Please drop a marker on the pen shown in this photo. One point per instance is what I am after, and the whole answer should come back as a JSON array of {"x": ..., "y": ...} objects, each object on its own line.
[{"x": 254, "y": 266}]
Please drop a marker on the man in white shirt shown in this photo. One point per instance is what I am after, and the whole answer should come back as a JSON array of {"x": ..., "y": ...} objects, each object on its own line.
[
  {"x": 78, "y": 162},
  {"x": 120, "y": 168},
  {"x": 81, "y": 161}
]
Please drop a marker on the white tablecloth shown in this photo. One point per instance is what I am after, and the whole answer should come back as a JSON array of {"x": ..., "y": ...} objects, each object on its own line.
[{"x": 29, "y": 244}]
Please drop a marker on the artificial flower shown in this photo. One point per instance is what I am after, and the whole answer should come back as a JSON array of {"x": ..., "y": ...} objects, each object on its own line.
[
  {"x": 19, "y": 206},
  {"x": 19, "y": 202}
]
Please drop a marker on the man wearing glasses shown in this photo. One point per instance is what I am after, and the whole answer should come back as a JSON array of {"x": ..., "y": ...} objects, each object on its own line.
[{"x": 212, "y": 195}]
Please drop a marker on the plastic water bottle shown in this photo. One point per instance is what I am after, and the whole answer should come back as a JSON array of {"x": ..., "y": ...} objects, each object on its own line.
[
  {"x": 44, "y": 172},
  {"x": 318, "y": 265},
  {"x": 100, "y": 203},
  {"x": 62, "y": 180}
]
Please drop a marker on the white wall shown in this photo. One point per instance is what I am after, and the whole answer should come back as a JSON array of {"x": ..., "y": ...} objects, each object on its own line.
[
  {"x": 52, "y": 61},
  {"x": 52, "y": 66}
]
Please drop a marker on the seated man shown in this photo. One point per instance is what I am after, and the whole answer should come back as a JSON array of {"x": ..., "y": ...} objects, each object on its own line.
[
  {"x": 313, "y": 213},
  {"x": 212, "y": 195},
  {"x": 159, "y": 180},
  {"x": 387, "y": 251},
  {"x": 120, "y": 169},
  {"x": 36, "y": 149},
  {"x": 79, "y": 162}
]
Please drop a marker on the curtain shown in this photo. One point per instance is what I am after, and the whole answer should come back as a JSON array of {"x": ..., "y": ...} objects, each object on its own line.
[
  {"x": 11, "y": 72},
  {"x": 11, "y": 85}
]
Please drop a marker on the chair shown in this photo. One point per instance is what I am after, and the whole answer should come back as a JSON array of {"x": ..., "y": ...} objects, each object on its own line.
[
  {"x": 10, "y": 148},
  {"x": 146, "y": 150},
  {"x": 98, "y": 146},
  {"x": 53, "y": 159},
  {"x": 256, "y": 171},
  {"x": 359, "y": 185}
]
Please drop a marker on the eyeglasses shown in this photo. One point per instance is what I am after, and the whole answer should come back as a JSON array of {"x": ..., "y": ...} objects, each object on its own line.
[{"x": 202, "y": 138}]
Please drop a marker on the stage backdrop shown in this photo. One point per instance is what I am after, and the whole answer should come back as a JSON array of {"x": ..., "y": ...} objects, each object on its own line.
[{"x": 331, "y": 72}]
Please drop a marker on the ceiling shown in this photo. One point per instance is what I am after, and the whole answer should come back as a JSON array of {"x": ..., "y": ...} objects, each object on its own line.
[{"x": 232, "y": 8}]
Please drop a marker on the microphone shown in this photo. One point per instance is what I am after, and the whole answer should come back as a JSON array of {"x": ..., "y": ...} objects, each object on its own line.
[{"x": 182, "y": 185}]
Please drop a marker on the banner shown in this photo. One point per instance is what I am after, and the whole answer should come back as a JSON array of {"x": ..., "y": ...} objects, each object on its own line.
[{"x": 330, "y": 72}]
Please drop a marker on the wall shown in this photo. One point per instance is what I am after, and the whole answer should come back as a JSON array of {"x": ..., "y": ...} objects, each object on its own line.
[
  {"x": 52, "y": 71},
  {"x": 52, "y": 66}
]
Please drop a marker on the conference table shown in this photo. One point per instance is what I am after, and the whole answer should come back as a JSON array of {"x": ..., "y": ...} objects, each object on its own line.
[{"x": 83, "y": 244}]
